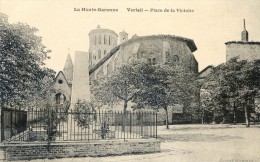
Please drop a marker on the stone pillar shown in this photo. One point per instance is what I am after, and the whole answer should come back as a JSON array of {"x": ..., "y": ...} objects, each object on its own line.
[{"x": 80, "y": 86}]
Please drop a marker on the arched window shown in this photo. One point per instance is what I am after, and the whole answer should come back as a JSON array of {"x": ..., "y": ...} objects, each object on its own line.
[
  {"x": 105, "y": 51},
  {"x": 99, "y": 54},
  {"x": 99, "y": 39},
  {"x": 153, "y": 61},
  {"x": 105, "y": 39},
  {"x": 60, "y": 98},
  {"x": 175, "y": 58},
  {"x": 167, "y": 57}
]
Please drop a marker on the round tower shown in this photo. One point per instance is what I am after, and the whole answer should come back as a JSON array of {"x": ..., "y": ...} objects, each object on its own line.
[{"x": 101, "y": 41}]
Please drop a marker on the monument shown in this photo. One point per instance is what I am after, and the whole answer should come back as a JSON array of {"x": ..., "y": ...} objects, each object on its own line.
[{"x": 80, "y": 86}]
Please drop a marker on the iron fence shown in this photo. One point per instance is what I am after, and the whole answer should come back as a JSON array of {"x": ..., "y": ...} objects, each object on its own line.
[
  {"x": 61, "y": 125},
  {"x": 13, "y": 121}
]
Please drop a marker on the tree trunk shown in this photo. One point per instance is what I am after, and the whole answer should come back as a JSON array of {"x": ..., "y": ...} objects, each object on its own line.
[
  {"x": 246, "y": 115},
  {"x": 214, "y": 118},
  {"x": 224, "y": 119},
  {"x": 125, "y": 106},
  {"x": 202, "y": 116},
  {"x": 166, "y": 121},
  {"x": 124, "y": 115},
  {"x": 234, "y": 114}
]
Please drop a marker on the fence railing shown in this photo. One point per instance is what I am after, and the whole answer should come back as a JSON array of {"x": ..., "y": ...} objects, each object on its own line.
[
  {"x": 60, "y": 125},
  {"x": 13, "y": 121}
]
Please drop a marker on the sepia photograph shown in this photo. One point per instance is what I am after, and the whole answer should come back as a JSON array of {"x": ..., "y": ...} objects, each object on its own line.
[{"x": 135, "y": 81}]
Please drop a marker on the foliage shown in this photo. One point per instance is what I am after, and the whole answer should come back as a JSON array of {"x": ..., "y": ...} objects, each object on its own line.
[
  {"x": 104, "y": 126},
  {"x": 122, "y": 85},
  {"x": 157, "y": 86},
  {"x": 85, "y": 113},
  {"x": 236, "y": 85},
  {"x": 101, "y": 94},
  {"x": 22, "y": 57},
  {"x": 162, "y": 86},
  {"x": 53, "y": 115}
]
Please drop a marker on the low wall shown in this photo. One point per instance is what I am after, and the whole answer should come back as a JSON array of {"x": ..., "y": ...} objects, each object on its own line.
[{"x": 39, "y": 150}]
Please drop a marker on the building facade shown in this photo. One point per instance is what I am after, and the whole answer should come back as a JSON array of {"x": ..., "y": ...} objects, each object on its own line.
[
  {"x": 157, "y": 49},
  {"x": 106, "y": 54},
  {"x": 101, "y": 41},
  {"x": 244, "y": 49}
]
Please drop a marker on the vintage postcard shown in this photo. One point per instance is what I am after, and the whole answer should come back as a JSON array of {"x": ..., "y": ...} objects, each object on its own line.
[{"x": 159, "y": 80}]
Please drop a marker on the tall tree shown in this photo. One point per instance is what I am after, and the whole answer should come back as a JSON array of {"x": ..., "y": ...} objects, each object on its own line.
[
  {"x": 22, "y": 68},
  {"x": 119, "y": 86},
  {"x": 238, "y": 83},
  {"x": 163, "y": 86}
]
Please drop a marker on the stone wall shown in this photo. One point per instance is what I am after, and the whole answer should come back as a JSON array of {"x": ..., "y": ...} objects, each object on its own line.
[
  {"x": 40, "y": 150},
  {"x": 245, "y": 50},
  {"x": 158, "y": 51}
]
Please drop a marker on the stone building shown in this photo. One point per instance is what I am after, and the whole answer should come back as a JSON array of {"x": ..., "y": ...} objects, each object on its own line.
[
  {"x": 157, "y": 49},
  {"x": 101, "y": 41},
  {"x": 244, "y": 49},
  {"x": 105, "y": 55}
]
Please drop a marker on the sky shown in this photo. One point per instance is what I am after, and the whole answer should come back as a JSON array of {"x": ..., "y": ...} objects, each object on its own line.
[{"x": 210, "y": 25}]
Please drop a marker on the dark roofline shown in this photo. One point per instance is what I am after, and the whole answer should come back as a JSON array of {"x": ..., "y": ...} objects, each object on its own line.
[
  {"x": 206, "y": 68},
  {"x": 104, "y": 59},
  {"x": 241, "y": 42},
  {"x": 189, "y": 42}
]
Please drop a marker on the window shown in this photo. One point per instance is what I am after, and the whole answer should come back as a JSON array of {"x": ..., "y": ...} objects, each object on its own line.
[
  {"x": 95, "y": 41},
  {"x": 60, "y": 81},
  {"x": 105, "y": 39},
  {"x": 60, "y": 98},
  {"x": 109, "y": 40},
  {"x": 99, "y": 54},
  {"x": 153, "y": 61},
  {"x": 150, "y": 61},
  {"x": 105, "y": 51},
  {"x": 99, "y": 39},
  {"x": 90, "y": 55},
  {"x": 175, "y": 58},
  {"x": 167, "y": 55}
]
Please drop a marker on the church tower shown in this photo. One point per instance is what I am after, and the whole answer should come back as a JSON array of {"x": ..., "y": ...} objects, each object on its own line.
[
  {"x": 101, "y": 41},
  {"x": 244, "y": 34},
  {"x": 68, "y": 70}
]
